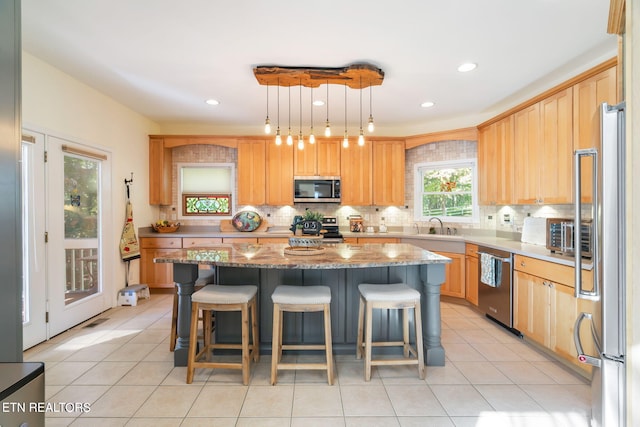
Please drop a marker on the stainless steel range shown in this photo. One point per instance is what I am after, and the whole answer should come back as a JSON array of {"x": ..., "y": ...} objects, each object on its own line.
[{"x": 330, "y": 230}]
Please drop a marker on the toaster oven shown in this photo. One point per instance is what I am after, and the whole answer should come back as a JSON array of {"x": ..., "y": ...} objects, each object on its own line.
[{"x": 561, "y": 236}]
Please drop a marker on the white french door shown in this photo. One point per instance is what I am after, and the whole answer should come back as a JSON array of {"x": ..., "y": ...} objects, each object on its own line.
[
  {"x": 66, "y": 281},
  {"x": 34, "y": 289}
]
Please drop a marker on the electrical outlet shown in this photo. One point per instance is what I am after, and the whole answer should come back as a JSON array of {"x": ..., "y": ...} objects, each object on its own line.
[{"x": 506, "y": 218}]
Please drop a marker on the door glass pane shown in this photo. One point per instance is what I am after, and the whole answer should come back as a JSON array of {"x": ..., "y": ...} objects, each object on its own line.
[{"x": 81, "y": 224}]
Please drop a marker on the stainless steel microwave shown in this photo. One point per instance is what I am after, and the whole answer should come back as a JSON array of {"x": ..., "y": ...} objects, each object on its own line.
[
  {"x": 316, "y": 189},
  {"x": 560, "y": 236}
]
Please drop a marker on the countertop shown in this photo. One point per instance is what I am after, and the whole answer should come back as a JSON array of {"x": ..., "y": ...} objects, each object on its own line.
[
  {"x": 506, "y": 244},
  {"x": 331, "y": 256}
]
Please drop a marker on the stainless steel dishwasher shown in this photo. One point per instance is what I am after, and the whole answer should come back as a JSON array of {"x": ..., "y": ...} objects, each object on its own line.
[{"x": 495, "y": 268}]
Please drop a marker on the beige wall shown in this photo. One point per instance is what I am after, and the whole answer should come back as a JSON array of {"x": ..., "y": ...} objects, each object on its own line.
[{"x": 56, "y": 104}]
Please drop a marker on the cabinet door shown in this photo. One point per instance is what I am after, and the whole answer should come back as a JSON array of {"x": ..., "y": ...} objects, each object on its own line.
[
  {"x": 471, "y": 279},
  {"x": 488, "y": 165},
  {"x": 557, "y": 147},
  {"x": 251, "y": 172},
  {"x": 328, "y": 157},
  {"x": 527, "y": 156},
  {"x": 279, "y": 174},
  {"x": 388, "y": 173},
  {"x": 305, "y": 160},
  {"x": 505, "y": 160},
  {"x": 588, "y": 95},
  {"x": 377, "y": 240},
  {"x": 201, "y": 242},
  {"x": 355, "y": 172},
  {"x": 532, "y": 311},
  {"x": 155, "y": 275},
  {"x": 159, "y": 172},
  {"x": 454, "y": 285},
  {"x": 564, "y": 312}
]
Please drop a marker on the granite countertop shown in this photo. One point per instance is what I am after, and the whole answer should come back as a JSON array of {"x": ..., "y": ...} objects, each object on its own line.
[
  {"x": 506, "y": 244},
  {"x": 332, "y": 256}
]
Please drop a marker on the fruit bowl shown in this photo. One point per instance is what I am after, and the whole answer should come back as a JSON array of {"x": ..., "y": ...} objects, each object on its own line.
[{"x": 165, "y": 226}]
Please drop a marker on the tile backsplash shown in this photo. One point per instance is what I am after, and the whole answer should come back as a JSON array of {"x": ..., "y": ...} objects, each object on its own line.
[{"x": 492, "y": 218}]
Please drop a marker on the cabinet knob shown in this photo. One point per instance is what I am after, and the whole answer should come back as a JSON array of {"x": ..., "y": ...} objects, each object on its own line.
[{"x": 522, "y": 264}]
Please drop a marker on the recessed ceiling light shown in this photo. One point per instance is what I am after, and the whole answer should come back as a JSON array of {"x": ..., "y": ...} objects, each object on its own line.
[
  {"x": 427, "y": 104},
  {"x": 212, "y": 102},
  {"x": 318, "y": 103},
  {"x": 467, "y": 66}
]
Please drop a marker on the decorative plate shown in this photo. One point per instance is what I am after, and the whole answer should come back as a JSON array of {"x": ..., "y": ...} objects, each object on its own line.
[{"x": 246, "y": 221}]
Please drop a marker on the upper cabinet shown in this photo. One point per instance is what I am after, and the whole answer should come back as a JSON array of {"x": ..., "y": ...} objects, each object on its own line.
[
  {"x": 160, "y": 167},
  {"x": 388, "y": 173},
  {"x": 319, "y": 159},
  {"x": 251, "y": 172},
  {"x": 495, "y": 162},
  {"x": 279, "y": 174},
  {"x": 355, "y": 172}
]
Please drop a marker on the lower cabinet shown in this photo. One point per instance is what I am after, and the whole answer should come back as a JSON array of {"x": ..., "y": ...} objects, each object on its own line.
[
  {"x": 545, "y": 310},
  {"x": 152, "y": 274},
  {"x": 471, "y": 273},
  {"x": 371, "y": 240},
  {"x": 454, "y": 284}
]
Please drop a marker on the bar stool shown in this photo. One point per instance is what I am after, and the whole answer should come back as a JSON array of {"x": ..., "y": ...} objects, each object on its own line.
[
  {"x": 224, "y": 298},
  {"x": 396, "y": 296},
  {"x": 206, "y": 276},
  {"x": 300, "y": 299}
]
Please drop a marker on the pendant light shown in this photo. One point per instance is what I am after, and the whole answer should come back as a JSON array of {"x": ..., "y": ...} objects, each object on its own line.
[
  {"x": 327, "y": 129},
  {"x": 278, "y": 137},
  {"x": 267, "y": 122},
  {"x": 370, "y": 126},
  {"x": 361, "y": 135},
  {"x": 312, "y": 137},
  {"x": 300, "y": 139},
  {"x": 289, "y": 137},
  {"x": 345, "y": 141}
]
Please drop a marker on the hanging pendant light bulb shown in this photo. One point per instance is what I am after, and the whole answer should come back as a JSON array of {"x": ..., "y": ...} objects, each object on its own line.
[
  {"x": 345, "y": 141},
  {"x": 361, "y": 134},
  {"x": 312, "y": 137},
  {"x": 370, "y": 126},
  {"x": 278, "y": 137},
  {"x": 289, "y": 137},
  {"x": 267, "y": 122},
  {"x": 327, "y": 129},
  {"x": 300, "y": 139}
]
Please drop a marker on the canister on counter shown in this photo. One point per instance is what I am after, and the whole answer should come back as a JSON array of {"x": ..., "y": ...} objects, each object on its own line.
[{"x": 355, "y": 224}]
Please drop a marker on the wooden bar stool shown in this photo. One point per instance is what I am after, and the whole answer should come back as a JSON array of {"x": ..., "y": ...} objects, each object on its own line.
[
  {"x": 224, "y": 298},
  {"x": 300, "y": 299},
  {"x": 397, "y": 297}
]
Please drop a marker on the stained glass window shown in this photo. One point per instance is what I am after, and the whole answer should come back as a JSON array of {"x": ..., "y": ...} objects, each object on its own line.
[{"x": 206, "y": 204}]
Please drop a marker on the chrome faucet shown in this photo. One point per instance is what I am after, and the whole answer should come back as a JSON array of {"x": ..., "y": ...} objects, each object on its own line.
[
  {"x": 440, "y": 221},
  {"x": 415, "y": 224}
]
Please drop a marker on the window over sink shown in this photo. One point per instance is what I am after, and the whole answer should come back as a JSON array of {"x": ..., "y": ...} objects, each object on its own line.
[
  {"x": 447, "y": 190},
  {"x": 206, "y": 190}
]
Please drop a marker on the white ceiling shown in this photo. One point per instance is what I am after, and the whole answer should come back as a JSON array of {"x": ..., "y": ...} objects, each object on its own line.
[{"x": 164, "y": 58}]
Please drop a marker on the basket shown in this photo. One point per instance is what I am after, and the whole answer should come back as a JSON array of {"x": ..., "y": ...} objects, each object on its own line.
[
  {"x": 166, "y": 228},
  {"x": 305, "y": 241}
]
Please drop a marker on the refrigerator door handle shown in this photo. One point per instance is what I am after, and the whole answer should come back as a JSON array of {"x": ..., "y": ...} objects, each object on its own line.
[
  {"x": 582, "y": 357},
  {"x": 577, "y": 229}
]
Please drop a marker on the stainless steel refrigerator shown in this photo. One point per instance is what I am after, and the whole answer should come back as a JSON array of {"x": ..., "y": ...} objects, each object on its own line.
[{"x": 608, "y": 292}]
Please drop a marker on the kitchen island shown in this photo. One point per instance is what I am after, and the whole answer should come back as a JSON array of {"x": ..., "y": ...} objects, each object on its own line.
[{"x": 340, "y": 266}]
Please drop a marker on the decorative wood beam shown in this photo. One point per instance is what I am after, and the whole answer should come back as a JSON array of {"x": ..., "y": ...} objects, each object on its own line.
[
  {"x": 466, "y": 134},
  {"x": 356, "y": 76},
  {"x": 616, "y": 17}
]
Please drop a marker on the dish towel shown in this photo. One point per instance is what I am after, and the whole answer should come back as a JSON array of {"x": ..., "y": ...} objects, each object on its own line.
[{"x": 490, "y": 270}]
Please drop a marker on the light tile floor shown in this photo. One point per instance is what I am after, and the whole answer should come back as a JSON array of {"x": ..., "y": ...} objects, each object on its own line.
[{"x": 124, "y": 371}]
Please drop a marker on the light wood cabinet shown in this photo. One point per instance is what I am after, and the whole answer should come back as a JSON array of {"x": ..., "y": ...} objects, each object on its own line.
[
  {"x": 378, "y": 240},
  {"x": 251, "y": 172},
  {"x": 545, "y": 308},
  {"x": 319, "y": 159},
  {"x": 157, "y": 275},
  {"x": 388, "y": 173},
  {"x": 471, "y": 273},
  {"x": 200, "y": 242},
  {"x": 160, "y": 158},
  {"x": 356, "y": 175},
  {"x": 279, "y": 174},
  {"x": 273, "y": 240},
  {"x": 495, "y": 162},
  {"x": 543, "y": 150},
  {"x": 239, "y": 240},
  {"x": 588, "y": 96},
  {"x": 454, "y": 284}
]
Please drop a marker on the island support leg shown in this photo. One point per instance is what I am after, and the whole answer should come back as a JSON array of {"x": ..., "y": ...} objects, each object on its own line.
[
  {"x": 433, "y": 276},
  {"x": 185, "y": 276}
]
